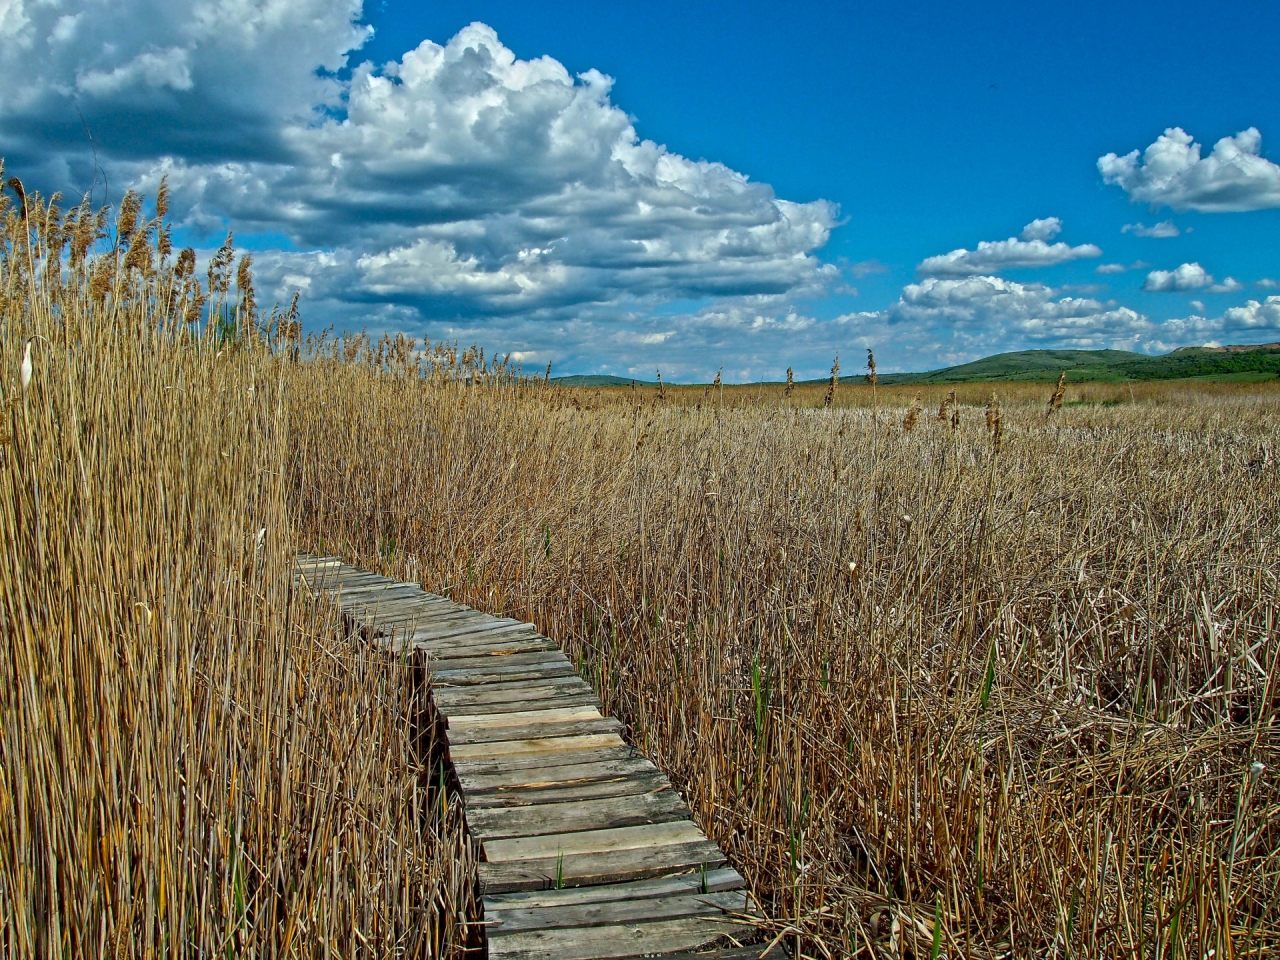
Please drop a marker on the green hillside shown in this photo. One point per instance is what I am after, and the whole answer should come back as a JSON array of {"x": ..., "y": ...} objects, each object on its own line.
[
  {"x": 1113, "y": 366},
  {"x": 1248, "y": 363}
]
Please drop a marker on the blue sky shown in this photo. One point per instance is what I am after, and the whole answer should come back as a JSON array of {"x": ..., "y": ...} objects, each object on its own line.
[{"x": 537, "y": 184}]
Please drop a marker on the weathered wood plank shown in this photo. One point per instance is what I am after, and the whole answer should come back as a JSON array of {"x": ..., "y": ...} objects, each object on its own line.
[
  {"x": 502, "y": 823},
  {"x": 582, "y": 767},
  {"x": 499, "y": 673},
  {"x": 462, "y": 678},
  {"x": 592, "y": 841},
  {"x": 491, "y": 626},
  {"x": 521, "y": 796},
  {"x": 524, "y": 716},
  {"x": 522, "y": 692},
  {"x": 710, "y": 881},
  {"x": 352, "y": 578},
  {"x": 405, "y": 618},
  {"x": 583, "y": 726},
  {"x": 497, "y": 656},
  {"x": 383, "y": 607},
  {"x": 380, "y": 587},
  {"x": 568, "y": 699},
  {"x": 504, "y": 657},
  {"x": 607, "y": 943},
  {"x": 585, "y": 869},
  {"x": 440, "y": 655},
  {"x": 540, "y": 746},
  {"x": 523, "y": 919}
]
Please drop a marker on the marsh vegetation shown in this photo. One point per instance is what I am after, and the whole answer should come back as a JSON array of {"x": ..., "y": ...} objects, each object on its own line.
[{"x": 944, "y": 673}]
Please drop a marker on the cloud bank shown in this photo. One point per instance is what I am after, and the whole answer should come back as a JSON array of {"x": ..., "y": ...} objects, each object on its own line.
[
  {"x": 1030, "y": 249},
  {"x": 1171, "y": 173},
  {"x": 458, "y": 180},
  {"x": 462, "y": 192}
]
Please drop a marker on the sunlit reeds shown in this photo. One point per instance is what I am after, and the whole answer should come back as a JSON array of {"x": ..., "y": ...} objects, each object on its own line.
[
  {"x": 1001, "y": 685},
  {"x": 997, "y": 688},
  {"x": 195, "y": 757}
]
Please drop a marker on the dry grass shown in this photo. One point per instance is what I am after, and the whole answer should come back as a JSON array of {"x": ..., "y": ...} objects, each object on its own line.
[
  {"x": 917, "y": 683},
  {"x": 195, "y": 760},
  {"x": 948, "y": 690}
]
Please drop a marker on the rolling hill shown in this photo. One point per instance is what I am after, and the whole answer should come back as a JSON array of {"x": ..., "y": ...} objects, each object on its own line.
[
  {"x": 1240, "y": 363},
  {"x": 1115, "y": 366}
]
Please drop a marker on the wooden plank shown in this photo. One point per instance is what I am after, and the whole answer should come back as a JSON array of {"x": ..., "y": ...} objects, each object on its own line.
[
  {"x": 522, "y": 641},
  {"x": 482, "y": 720},
  {"x": 495, "y": 626},
  {"x": 502, "y": 656},
  {"x": 514, "y": 689},
  {"x": 369, "y": 596},
  {"x": 520, "y": 691},
  {"x": 592, "y": 841},
  {"x": 399, "y": 616},
  {"x": 499, "y": 923},
  {"x": 442, "y": 656},
  {"x": 406, "y": 617},
  {"x": 472, "y": 678},
  {"x": 506, "y": 657},
  {"x": 585, "y": 869},
  {"x": 535, "y": 747},
  {"x": 386, "y": 607},
  {"x": 582, "y": 768},
  {"x": 340, "y": 588},
  {"x": 567, "y": 699},
  {"x": 460, "y": 736},
  {"x": 441, "y": 611},
  {"x": 712, "y": 881},
  {"x": 613, "y": 943},
  {"x": 403, "y": 595},
  {"x": 519, "y": 796},
  {"x": 500, "y": 823},
  {"x": 350, "y": 578}
]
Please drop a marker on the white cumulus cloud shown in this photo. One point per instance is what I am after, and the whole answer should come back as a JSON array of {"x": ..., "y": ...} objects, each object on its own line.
[
  {"x": 1162, "y": 230},
  {"x": 1031, "y": 249},
  {"x": 1170, "y": 172},
  {"x": 1188, "y": 276},
  {"x": 458, "y": 180},
  {"x": 1042, "y": 229},
  {"x": 1254, "y": 315}
]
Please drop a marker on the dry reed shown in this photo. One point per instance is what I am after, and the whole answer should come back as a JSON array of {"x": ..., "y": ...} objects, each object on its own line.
[
  {"x": 195, "y": 757},
  {"x": 997, "y": 681}
]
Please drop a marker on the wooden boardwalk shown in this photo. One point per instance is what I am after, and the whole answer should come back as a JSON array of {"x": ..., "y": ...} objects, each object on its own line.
[{"x": 587, "y": 850}]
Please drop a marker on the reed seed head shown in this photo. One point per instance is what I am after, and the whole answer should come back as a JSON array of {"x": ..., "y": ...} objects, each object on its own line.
[
  {"x": 1059, "y": 391},
  {"x": 913, "y": 415}
]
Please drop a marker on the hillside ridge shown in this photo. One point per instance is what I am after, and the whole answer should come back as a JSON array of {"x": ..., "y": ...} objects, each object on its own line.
[{"x": 1238, "y": 362}]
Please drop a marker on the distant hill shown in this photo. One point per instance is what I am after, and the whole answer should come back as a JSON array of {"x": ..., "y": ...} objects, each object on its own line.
[
  {"x": 1114, "y": 366},
  {"x": 1234, "y": 362}
]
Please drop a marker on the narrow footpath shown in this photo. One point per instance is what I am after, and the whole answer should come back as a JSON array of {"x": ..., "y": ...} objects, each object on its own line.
[{"x": 587, "y": 851}]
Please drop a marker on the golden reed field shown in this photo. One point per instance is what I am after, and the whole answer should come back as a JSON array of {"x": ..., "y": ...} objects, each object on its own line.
[{"x": 964, "y": 676}]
